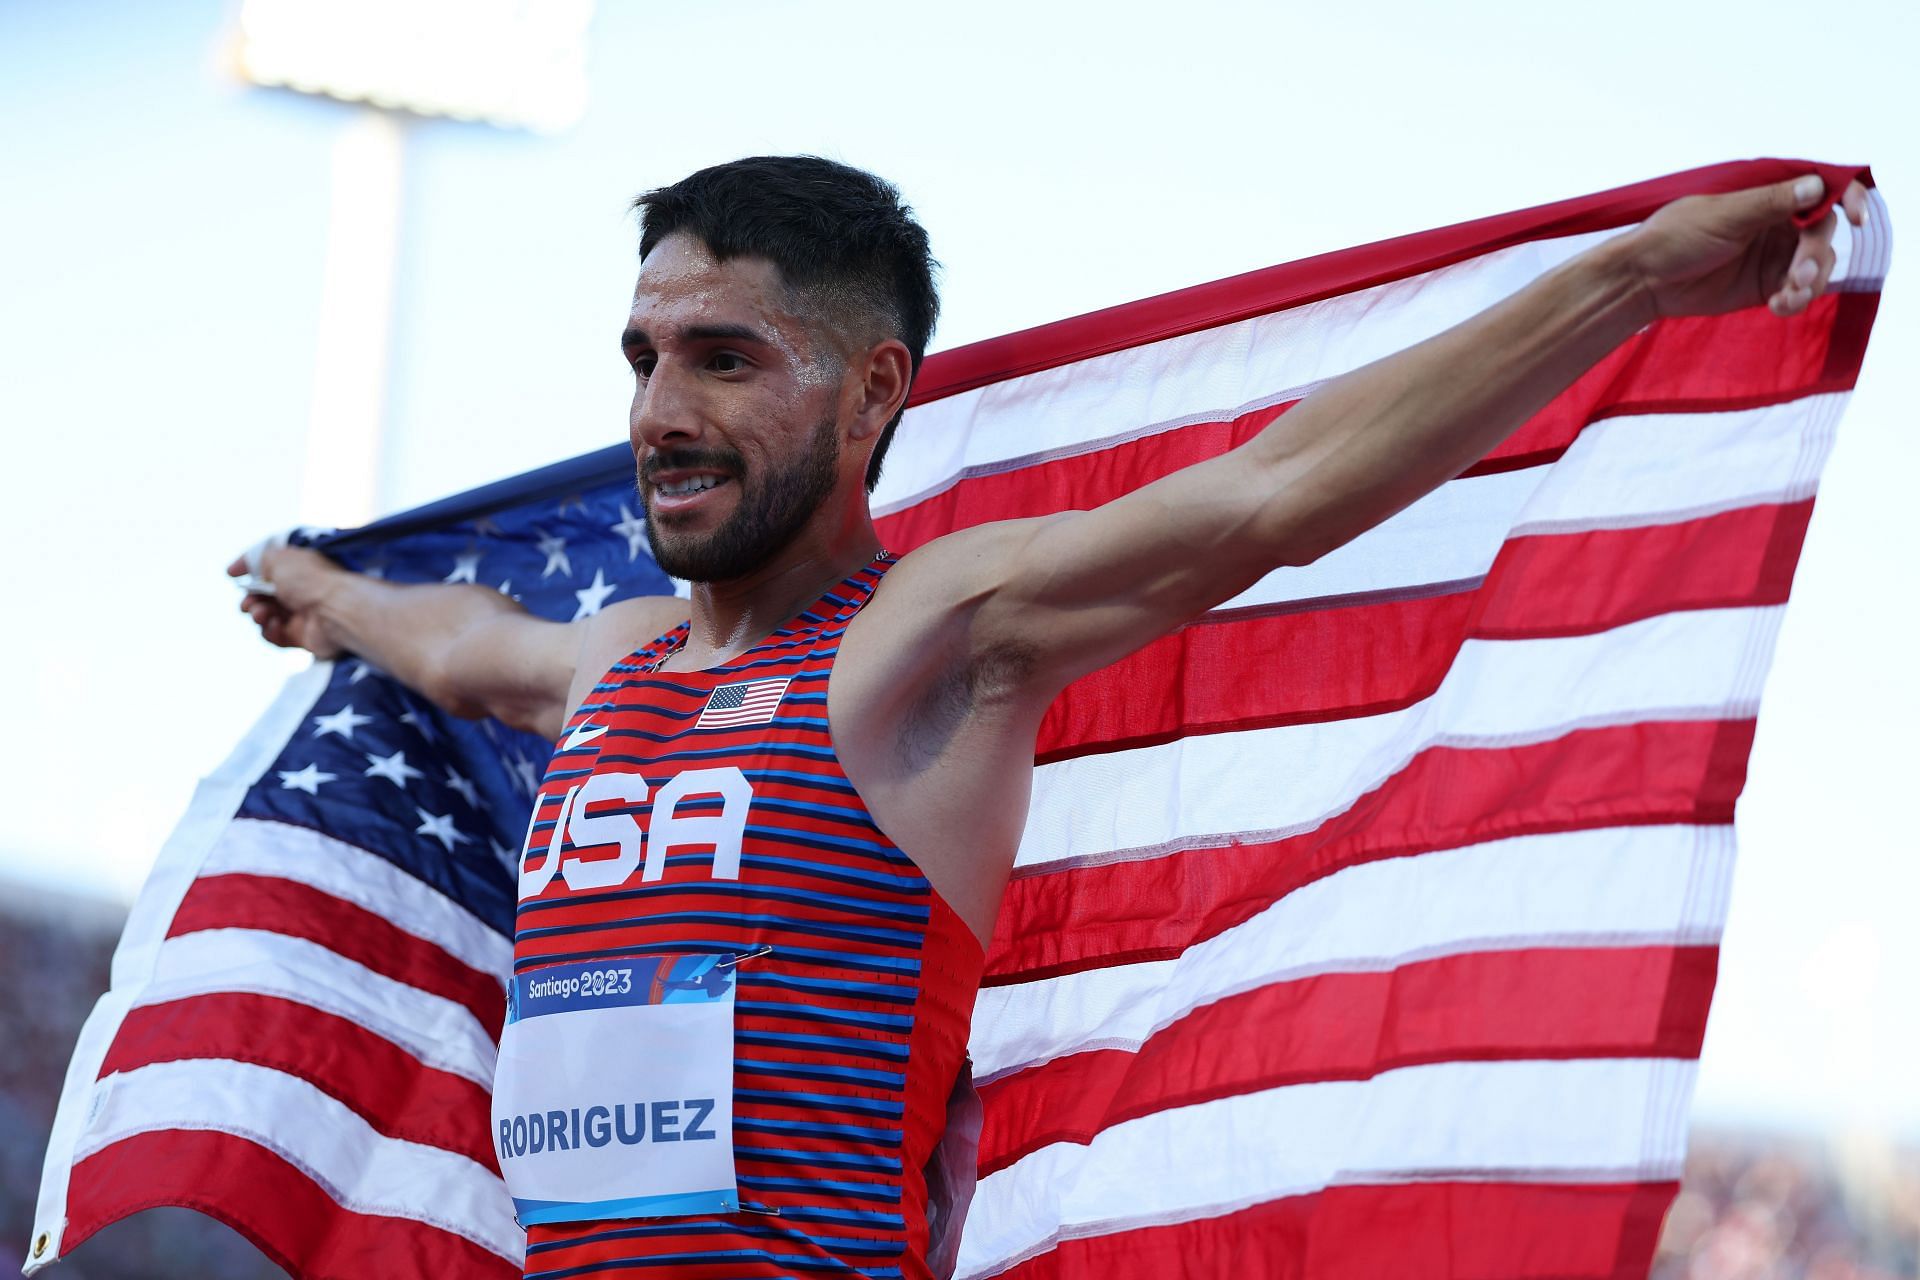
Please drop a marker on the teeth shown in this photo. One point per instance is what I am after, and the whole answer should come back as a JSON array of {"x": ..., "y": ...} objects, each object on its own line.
[{"x": 695, "y": 484}]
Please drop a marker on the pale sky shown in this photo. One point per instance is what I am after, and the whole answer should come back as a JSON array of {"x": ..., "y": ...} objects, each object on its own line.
[{"x": 161, "y": 263}]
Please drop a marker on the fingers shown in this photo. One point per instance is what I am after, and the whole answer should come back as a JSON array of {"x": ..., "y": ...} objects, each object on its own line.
[
  {"x": 1806, "y": 192},
  {"x": 1813, "y": 259},
  {"x": 1806, "y": 275},
  {"x": 1854, "y": 201},
  {"x": 273, "y": 619},
  {"x": 238, "y": 569}
]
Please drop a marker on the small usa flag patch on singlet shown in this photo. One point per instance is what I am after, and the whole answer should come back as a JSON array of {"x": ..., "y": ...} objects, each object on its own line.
[{"x": 733, "y": 705}]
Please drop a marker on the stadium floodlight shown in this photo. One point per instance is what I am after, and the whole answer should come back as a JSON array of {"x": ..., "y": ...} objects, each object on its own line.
[{"x": 514, "y": 63}]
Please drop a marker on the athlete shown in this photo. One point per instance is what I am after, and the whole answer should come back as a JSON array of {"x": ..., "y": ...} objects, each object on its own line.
[{"x": 784, "y": 812}]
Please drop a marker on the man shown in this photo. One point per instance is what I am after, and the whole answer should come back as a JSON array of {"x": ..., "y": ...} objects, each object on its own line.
[{"x": 790, "y": 817}]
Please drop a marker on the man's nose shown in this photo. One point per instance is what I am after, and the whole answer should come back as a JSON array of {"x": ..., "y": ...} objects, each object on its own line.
[{"x": 665, "y": 409}]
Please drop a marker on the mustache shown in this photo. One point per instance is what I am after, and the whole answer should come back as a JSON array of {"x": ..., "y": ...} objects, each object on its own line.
[{"x": 688, "y": 459}]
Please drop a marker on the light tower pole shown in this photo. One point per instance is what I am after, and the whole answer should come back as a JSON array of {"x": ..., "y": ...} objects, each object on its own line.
[{"x": 508, "y": 63}]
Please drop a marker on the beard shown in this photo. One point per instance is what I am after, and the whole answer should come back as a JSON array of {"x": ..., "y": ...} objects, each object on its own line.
[{"x": 763, "y": 521}]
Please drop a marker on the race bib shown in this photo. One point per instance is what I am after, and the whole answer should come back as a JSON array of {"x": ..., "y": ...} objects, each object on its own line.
[{"x": 614, "y": 1093}]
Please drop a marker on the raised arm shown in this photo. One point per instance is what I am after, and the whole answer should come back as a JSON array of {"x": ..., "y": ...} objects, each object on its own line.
[
  {"x": 1070, "y": 593},
  {"x": 466, "y": 648}
]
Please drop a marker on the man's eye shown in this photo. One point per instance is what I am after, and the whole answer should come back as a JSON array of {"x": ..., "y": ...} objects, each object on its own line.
[
  {"x": 643, "y": 367},
  {"x": 726, "y": 362}
]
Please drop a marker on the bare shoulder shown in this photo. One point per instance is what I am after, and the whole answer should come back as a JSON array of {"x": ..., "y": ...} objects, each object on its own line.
[{"x": 616, "y": 631}]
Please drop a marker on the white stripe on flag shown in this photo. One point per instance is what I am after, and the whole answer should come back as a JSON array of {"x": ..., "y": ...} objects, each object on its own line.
[
  {"x": 318, "y": 1134},
  {"x": 1637, "y": 470},
  {"x": 251, "y": 846},
  {"x": 1198, "y": 377},
  {"x": 1616, "y": 886},
  {"x": 1534, "y": 1121},
  {"x": 1706, "y": 664},
  {"x": 439, "y": 1032}
]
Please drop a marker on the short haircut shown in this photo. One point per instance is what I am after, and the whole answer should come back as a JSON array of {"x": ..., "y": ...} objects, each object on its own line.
[{"x": 844, "y": 242}]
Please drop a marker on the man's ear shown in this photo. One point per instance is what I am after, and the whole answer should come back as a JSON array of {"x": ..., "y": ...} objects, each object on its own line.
[{"x": 886, "y": 373}]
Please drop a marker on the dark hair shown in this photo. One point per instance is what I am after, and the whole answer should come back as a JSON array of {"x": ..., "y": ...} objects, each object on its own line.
[{"x": 840, "y": 236}]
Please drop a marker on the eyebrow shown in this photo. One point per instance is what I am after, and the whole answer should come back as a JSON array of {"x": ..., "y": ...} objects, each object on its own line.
[{"x": 637, "y": 337}]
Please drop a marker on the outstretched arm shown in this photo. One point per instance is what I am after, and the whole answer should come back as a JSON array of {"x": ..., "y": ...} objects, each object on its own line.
[
  {"x": 1071, "y": 593},
  {"x": 465, "y": 648}
]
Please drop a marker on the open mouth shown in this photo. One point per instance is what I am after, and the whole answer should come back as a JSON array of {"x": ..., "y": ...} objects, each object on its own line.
[{"x": 677, "y": 490}]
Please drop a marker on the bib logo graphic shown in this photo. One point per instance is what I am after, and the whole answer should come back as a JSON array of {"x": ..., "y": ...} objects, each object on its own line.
[{"x": 578, "y": 833}]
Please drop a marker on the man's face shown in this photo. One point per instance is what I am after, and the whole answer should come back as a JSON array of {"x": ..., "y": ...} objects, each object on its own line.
[{"x": 734, "y": 431}]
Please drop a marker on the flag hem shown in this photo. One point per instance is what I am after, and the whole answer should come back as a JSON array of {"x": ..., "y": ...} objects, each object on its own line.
[{"x": 1293, "y": 284}]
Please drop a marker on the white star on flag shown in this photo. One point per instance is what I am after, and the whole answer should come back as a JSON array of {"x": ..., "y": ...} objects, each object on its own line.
[
  {"x": 393, "y": 768},
  {"x": 554, "y": 548},
  {"x": 440, "y": 827},
  {"x": 466, "y": 789},
  {"x": 421, "y": 724},
  {"x": 529, "y": 777},
  {"x": 466, "y": 568},
  {"x": 593, "y": 597},
  {"x": 308, "y": 779},
  {"x": 343, "y": 722},
  {"x": 633, "y": 528}
]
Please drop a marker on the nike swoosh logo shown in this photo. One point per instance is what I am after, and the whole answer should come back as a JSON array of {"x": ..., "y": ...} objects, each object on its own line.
[{"x": 584, "y": 733}]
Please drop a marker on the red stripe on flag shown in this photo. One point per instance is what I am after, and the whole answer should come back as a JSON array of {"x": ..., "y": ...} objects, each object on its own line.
[
  {"x": 1260, "y": 668},
  {"x": 1268, "y": 666},
  {"x": 239, "y": 900},
  {"x": 281, "y": 1210},
  {"x": 1691, "y": 365},
  {"x": 1653, "y": 772},
  {"x": 1541, "y": 1002},
  {"x": 1078, "y": 483},
  {"x": 1412, "y": 1231},
  {"x": 1578, "y": 583},
  {"x": 395, "y": 1092},
  {"x": 1702, "y": 364}
]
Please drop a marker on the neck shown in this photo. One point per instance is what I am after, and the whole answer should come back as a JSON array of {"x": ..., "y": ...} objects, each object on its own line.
[{"x": 731, "y": 617}]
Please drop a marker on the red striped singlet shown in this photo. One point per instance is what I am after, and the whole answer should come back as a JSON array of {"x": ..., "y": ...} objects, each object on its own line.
[{"x": 848, "y": 1034}]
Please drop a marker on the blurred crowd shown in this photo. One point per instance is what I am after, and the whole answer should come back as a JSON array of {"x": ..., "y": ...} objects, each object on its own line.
[{"x": 1751, "y": 1207}]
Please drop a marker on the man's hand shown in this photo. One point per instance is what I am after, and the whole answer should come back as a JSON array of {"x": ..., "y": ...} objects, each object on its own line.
[
  {"x": 1704, "y": 255},
  {"x": 291, "y": 617}
]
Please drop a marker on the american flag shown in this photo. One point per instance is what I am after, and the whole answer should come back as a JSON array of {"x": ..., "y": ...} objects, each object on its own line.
[
  {"x": 1364, "y": 926},
  {"x": 733, "y": 705}
]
